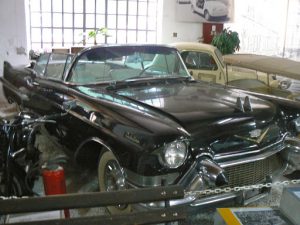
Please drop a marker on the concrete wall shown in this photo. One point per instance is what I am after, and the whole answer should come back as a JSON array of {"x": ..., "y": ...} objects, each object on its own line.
[
  {"x": 186, "y": 31},
  {"x": 13, "y": 40}
]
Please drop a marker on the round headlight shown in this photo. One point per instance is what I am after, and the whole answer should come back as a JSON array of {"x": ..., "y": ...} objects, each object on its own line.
[
  {"x": 175, "y": 154},
  {"x": 285, "y": 84}
]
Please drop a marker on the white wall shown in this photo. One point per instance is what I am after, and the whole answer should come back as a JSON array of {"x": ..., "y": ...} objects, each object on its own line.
[
  {"x": 186, "y": 31},
  {"x": 261, "y": 31},
  {"x": 13, "y": 41}
]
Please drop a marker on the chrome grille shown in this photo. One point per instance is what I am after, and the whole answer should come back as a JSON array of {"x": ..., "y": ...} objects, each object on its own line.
[{"x": 253, "y": 172}]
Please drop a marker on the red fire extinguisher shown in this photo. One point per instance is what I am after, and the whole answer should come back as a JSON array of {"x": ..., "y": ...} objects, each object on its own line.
[{"x": 54, "y": 182}]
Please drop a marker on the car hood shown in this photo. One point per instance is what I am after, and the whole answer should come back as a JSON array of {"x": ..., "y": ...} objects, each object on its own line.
[{"x": 199, "y": 106}]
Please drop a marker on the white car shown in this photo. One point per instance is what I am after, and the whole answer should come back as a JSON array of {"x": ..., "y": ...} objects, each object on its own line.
[{"x": 210, "y": 9}]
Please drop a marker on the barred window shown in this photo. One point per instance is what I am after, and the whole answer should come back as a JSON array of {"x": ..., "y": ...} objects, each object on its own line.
[{"x": 65, "y": 23}]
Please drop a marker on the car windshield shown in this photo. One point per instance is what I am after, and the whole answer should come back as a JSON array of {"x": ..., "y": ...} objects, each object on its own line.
[{"x": 122, "y": 63}]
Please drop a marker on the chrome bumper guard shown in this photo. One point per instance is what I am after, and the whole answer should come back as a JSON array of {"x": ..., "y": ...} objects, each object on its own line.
[{"x": 292, "y": 154}]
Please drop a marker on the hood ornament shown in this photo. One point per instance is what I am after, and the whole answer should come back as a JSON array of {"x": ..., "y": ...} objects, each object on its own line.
[
  {"x": 246, "y": 107},
  {"x": 239, "y": 104},
  {"x": 247, "y": 104}
]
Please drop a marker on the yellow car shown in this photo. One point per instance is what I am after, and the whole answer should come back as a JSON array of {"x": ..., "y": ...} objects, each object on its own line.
[
  {"x": 203, "y": 61},
  {"x": 263, "y": 74},
  {"x": 257, "y": 73}
]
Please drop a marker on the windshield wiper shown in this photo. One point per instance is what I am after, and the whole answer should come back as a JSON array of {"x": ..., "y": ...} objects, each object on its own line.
[
  {"x": 115, "y": 84},
  {"x": 139, "y": 78}
]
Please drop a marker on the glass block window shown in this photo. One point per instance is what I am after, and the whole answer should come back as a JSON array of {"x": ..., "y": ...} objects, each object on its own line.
[{"x": 65, "y": 23}]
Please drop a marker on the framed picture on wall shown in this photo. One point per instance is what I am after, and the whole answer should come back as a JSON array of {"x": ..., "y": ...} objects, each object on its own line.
[{"x": 208, "y": 11}]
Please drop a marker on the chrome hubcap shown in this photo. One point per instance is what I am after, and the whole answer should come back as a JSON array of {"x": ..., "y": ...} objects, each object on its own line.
[{"x": 114, "y": 179}]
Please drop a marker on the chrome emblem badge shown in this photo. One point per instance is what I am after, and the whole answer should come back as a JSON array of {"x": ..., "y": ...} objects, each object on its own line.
[
  {"x": 256, "y": 136},
  {"x": 255, "y": 133}
]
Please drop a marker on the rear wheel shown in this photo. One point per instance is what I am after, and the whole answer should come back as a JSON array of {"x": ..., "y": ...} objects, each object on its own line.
[{"x": 111, "y": 178}]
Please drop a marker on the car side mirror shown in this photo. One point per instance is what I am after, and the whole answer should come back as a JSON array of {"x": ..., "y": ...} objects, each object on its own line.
[
  {"x": 31, "y": 65},
  {"x": 33, "y": 55}
]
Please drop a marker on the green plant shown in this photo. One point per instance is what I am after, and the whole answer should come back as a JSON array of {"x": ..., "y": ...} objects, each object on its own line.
[
  {"x": 94, "y": 33},
  {"x": 227, "y": 41}
]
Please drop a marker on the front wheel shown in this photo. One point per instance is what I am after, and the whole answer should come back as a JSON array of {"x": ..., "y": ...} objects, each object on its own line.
[{"x": 111, "y": 178}]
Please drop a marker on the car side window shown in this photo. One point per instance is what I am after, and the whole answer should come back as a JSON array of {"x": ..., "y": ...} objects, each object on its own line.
[
  {"x": 190, "y": 59},
  {"x": 206, "y": 61},
  {"x": 41, "y": 64},
  {"x": 199, "y": 60},
  {"x": 87, "y": 71},
  {"x": 57, "y": 65}
]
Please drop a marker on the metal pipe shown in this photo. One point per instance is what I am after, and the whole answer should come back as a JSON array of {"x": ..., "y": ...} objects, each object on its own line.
[{"x": 70, "y": 201}]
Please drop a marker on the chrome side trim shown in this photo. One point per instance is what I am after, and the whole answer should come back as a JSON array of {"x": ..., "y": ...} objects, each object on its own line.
[
  {"x": 214, "y": 199},
  {"x": 226, "y": 197},
  {"x": 255, "y": 198}
]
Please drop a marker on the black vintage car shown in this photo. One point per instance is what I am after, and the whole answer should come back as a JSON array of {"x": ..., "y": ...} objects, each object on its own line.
[{"x": 140, "y": 120}]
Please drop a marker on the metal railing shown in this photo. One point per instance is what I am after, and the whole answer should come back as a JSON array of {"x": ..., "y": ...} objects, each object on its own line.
[{"x": 101, "y": 199}]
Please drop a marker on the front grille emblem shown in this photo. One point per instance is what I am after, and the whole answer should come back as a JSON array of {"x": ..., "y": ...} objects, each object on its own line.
[
  {"x": 256, "y": 136},
  {"x": 255, "y": 133}
]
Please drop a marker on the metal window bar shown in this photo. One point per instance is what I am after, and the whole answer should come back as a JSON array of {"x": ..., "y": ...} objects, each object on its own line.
[
  {"x": 63, "y": 22},
  {"x": 127, "y": 10},
  {"x": 117, "y": 11},
  {"x": 41, "y": 23},
  {"x": 95, "y": 16},
  {"x": 30, "y": 31},
  {"x": 106, "y": 8},
  {"x": 52, "y": 23},
  {"x": 84, "y": 23},
  {"x": 147, "y": 19},
  {"x": 73, "y": 22}
]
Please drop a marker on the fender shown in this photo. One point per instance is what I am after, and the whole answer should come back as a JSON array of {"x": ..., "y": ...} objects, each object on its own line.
[{"x": 94, "y": 151}]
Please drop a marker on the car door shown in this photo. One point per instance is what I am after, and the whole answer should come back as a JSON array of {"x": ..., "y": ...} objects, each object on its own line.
[
  {"x": 203, "y": 66},
  {"x": 47, "y": 85}
]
